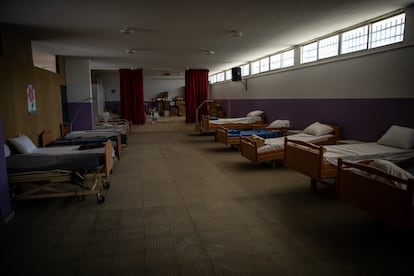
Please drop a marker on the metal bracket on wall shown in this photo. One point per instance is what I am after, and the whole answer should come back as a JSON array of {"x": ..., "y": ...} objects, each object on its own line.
[{"x": 245, "y": 84}]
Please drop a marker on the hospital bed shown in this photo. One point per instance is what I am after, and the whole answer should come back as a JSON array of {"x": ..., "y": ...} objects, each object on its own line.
[
  {"x": 385, "y": 191},
  {"x": 260, "y": 150},
  {"x": 319, "y": 162},
  {"x": 254, "y": 119},
  {"x": 69, "y": 171},
  {"x": 232, "y": 137},
  {"x": 83, "y": 138}
]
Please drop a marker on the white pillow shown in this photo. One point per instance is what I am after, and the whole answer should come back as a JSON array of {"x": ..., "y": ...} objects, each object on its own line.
[
  {"x": 255, "y": 113},
  {"x": 318, "y": 129},
  {"x": 399, "y": 137},
  {"x": 7, "y": 151},
  {"x": 391, "y": 168},
  {"x": 279, "y": 124},
  {"x": 23, "y": 144}
]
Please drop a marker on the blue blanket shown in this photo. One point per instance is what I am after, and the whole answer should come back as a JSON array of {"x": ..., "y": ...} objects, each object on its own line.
[{"x": 260, "y": 132}]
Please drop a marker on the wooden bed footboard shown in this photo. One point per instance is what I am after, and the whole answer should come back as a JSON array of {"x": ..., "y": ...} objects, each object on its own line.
[
  {"x": 248, "y": 148},
  {"x": 205, "y": 122},
  {"x": 221, "y": 135},
  {"x": 308, "y": 159},
  {"x": 382, "y": 199}
]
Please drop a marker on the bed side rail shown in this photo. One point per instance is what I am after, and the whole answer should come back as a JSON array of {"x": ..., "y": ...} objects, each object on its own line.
[{"x": 373, "y": 191}]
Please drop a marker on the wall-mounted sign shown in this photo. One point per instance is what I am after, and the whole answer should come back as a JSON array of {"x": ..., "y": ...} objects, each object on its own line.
[{"x": 31, "y": 99}]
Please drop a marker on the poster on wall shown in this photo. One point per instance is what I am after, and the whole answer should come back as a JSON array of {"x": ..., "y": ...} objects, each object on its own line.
[{"x": 31, "y": 99}]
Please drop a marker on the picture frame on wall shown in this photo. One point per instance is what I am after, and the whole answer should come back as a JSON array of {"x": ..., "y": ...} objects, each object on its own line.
[{"x": 31, "y": 99}]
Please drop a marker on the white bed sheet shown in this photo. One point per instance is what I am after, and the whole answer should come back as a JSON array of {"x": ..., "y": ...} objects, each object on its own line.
[
  {"x": 91, "y": 134},
  {"x": 362, "y": 151},
  {"x": 108, "y": 127},
  {"x": 240, "y": 120},
  {"x": 278, "y": 143}
]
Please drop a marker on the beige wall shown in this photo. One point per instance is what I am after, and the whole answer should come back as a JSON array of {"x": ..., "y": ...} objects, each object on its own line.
[{"x": 17, "y": 72}]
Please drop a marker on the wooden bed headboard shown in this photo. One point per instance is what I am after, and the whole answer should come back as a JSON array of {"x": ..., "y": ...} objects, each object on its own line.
[
  {"x": 64, "y": 129},
  {"x": 46, "y": 138}
]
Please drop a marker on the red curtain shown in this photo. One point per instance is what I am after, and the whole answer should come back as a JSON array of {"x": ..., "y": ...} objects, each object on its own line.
[
  {"x": 132, "y": 95},
  {"x": 196, "y": 91}
]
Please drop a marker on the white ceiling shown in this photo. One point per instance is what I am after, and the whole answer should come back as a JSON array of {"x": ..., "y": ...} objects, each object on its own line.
[{"x": 171, "y": 36}]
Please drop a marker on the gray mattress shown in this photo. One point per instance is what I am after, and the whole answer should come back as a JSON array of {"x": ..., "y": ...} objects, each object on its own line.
[{"x": 19, "y": 163}]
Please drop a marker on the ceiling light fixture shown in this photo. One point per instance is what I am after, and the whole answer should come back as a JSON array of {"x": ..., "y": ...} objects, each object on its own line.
[
  {"x": 131, "y": 51},
  {"x": 126, "y": 30},
  {"x": 209, "y": 52},
  {"x": 236, "y": 33}
]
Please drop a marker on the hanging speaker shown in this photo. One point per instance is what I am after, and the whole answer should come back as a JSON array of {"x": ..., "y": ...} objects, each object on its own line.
[{"x": 236, "y": 74}]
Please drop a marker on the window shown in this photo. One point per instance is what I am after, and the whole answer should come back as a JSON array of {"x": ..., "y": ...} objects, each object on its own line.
[
  {"x": 275, "y": 62},
  {"x": 213, "y": 79},
  {"x": 256, "y": 67},
  {"x": 371, "y": 35},
  {"x": 288, "y": 58},
  {"x": 309, "y": 52},
  {"x": 245, "y": 70},
  {"x": 354, "y": 40},
  {"x": 387, "y": 31},
  {"x": 264, "y": 64},
  {"x": 220, "y": 76},
  {"x": 328, "y": 47},
  {"x": 228, "y": 75}
]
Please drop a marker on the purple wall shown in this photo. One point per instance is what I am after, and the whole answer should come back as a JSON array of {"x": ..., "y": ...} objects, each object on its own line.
[
  {"x": 5, "y": 203},
  {"x": 114, "y": 106},
  {"x": 80, "y": 115},
  {"x": 361, "y": 119}
]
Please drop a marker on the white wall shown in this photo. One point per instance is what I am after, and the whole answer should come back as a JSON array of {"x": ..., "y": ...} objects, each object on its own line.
[
  {"x": 382, "y": 75},
  {"x": 154, "y": 85},
  {"x": 385, "y": 72},
  {"x": 78, "y": 80}
]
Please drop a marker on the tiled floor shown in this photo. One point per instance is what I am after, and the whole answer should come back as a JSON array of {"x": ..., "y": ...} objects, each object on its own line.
[{"x": 181, "y": 204}]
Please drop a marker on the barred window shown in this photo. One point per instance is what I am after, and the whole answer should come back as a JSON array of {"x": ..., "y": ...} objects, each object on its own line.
[
  {"x": 328, "y": 47},
  {"x": 228, "y": 75},
  {"x": 288, "y": 58},
  {"x": 256, "y": 67},
  {"x": 220, "y": 76},
  {"x": 264, "y": 64},
  {"x": 275, "y": 62},
  {"x": 387, "y": 31},
  {"x": 245, "y": 70},
  {"x": 213, "y": 79},
  {"x": 309, "y": 52},
  {"x": 354, "y": 40}
]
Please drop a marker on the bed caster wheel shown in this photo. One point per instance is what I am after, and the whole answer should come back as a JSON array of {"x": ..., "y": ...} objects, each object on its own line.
[
  {"x": 106, "y": 184},
  {"x": 80, "y": 198},
  {"x": 100, "y": 198}
]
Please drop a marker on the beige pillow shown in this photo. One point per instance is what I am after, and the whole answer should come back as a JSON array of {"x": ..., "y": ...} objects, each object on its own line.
[
  {"x": 318, "y": 129},
  {"x": 398, "y": 137}
]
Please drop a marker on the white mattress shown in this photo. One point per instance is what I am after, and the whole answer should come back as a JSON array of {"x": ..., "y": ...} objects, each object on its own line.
[
  {"x": 278, "y": 143},
  {"x": 356, "y": 152},
  {"x": 240, "y": 120},
  {"x": 108, "y": 127},
  {"x": 91, "y": 134}
]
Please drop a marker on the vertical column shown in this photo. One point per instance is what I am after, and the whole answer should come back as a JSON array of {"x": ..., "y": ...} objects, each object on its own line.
[
  {"x": 6, "y": 211},
  {"x": 79, "y": 93}
]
